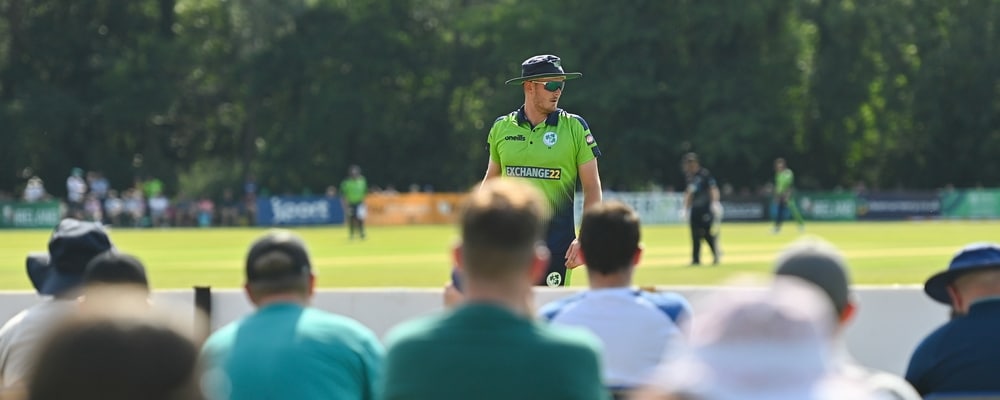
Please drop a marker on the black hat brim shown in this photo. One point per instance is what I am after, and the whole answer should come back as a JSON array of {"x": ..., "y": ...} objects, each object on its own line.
[{"x": 568, "y": 75}]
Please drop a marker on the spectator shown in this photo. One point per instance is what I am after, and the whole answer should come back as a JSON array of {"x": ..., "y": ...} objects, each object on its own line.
[
  {"x": 92, "y": 208},
  {"x": 286, "y": 350},
  {"x": 962, "y": 355},
  {"x": 99, "y": 187},
  {"x": 752, "y": 344},
  {"x": 58, "y": 274},
  {"x": 820, "y": 264},
  {"x": 635, "y": 327},
  {"x": 35, "y": 190},
  {"x": 230, "y": 209},
  {"x": 113, "y": 268},
  {"x": 112, "y": 281},
  {"x": 114, "y": 207},
  {"x": 206, "y": 211},
  {"x": 135, "y": 207},
  {"x": 117, "y": 356},
  {"x": 76, "y": 188},
  {"x": 490, "y": 347},
  {"x": 158, "y": 207}
]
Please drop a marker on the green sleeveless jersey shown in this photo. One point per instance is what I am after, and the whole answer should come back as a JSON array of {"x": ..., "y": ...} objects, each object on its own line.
[{"x": 546, "y": 155}]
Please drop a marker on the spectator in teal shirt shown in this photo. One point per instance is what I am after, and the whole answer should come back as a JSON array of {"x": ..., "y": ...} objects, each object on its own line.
[{"x": 286, "y": 349}]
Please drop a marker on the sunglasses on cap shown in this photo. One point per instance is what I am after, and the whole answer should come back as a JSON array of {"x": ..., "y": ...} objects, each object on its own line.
[{"x": 552, "y": 86}]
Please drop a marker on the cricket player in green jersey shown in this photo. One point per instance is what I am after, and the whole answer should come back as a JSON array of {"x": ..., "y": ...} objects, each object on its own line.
[
  {"x": 783, "y": 180},
  {"x": 352, "y": 194},
  {"x": 551, "y": 149}
]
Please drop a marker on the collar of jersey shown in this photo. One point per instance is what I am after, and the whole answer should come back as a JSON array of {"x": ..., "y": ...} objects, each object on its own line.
[
  {"x": 625, "y": 291},
  {"x": 551, "y": 120}
]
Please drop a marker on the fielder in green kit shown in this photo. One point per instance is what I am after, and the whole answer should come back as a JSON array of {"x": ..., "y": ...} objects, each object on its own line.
[
  {"x": 550, "y": 149},
  {"x": 352, "y": 195},
  {"x": 783, "y": 180}
]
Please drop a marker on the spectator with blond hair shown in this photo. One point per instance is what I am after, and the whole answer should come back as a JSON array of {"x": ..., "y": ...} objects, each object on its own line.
[{"x": 490, "y": 347}]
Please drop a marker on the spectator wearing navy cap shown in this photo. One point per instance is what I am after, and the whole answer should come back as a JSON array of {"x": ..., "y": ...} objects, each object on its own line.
[
  {"x": 286, "y": 349},
  {"x": 59, "y": 274},
  {"x": 963, "y": 355}
]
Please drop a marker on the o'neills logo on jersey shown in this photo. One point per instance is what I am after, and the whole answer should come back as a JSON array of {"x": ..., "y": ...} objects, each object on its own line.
[
  {"x": 533, "y": 172},
  {"x": 519, "y": 138}
]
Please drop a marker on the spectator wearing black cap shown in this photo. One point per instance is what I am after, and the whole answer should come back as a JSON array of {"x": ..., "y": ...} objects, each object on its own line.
[
  {"x": 963, "y": 355},
  {"x": 490, "y": 346},
  {"x": 552, "y": 149},
  {"x": 821, "y": 264},
  {"x": 286, "y": 349},
  {"x": 58, "y": 274},
  {"x": 702, "y": 208}
]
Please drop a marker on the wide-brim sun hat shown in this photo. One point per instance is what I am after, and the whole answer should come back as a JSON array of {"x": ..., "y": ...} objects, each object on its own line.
[
  {"x": 542, "y": 66},
  {"x": 974, "y": 257}
]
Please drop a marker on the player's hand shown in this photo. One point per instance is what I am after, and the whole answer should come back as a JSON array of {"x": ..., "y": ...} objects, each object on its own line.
[
  {"x": 717, "y": 209},
  {"x": 682, "y": 214},
  {"x": 573, "y": 257}
]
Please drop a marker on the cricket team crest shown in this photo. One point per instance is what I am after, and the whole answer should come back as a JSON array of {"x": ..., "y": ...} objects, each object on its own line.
[
  {"x": 550, "y": 139},
  {"x": 553, "y": 279}
]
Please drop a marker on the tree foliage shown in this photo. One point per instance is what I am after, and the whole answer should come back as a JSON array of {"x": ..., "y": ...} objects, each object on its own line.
[{"x": 890, "y": 93}]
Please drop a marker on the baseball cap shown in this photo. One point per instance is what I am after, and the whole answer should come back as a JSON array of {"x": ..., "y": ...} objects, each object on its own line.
[
  {"x": 280, "y": 241},
  {"x": 72, "y": 245},
  {"x": 755, "y": 343},
  {"x": 115, "y": 268},
  {"x": 973, "y": 257},
  {"x": 821, "y": 264}
]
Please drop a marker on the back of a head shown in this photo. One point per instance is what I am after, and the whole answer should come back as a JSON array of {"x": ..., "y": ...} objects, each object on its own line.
[
  {"x": 278, "y": 262},
  {"x": 821, "y": 264},
  {"x": 501, "y": 223},
  {"x": 609, "y": 237},
  {"x": 113, "y": 268},
  {"x": 111, "y": 358}
]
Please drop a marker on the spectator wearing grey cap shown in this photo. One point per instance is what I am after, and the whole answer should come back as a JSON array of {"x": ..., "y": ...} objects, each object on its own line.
[
  {"x": 58, "y": 274},
  {"x": 821, "y": 264},
  {"x": 963, "y": 355},
  {"x": 286, "y": 349}
]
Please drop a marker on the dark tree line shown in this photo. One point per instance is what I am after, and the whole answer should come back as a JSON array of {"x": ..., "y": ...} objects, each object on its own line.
[{"x": 893, "y": 93}]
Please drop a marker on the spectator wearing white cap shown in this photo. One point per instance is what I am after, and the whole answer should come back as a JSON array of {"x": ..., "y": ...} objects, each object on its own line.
[
  {"x": 963, "y": 355},
  {"x": 821, "y": 264},
  {"x": 635, "y": 327},
  {"x": 749, "y": 344}
]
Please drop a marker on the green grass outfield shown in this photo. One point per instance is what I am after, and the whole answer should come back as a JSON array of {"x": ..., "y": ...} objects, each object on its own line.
[{"x": 418, "y": 256}]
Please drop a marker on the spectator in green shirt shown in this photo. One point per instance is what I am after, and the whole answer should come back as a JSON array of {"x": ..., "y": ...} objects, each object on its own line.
[
  {"x": 352, "y": 194},
  {"x": 783, "y": 180}
]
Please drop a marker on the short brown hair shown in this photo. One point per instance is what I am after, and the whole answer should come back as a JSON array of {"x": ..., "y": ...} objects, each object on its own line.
[
  {"x": 609, "y": 237},
  {"x": 501, "y": 224},
  {"x": 115, "y": 357}
]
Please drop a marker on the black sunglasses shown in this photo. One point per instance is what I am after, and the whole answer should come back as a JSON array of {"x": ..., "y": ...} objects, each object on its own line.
[{"x": 552, "y": 86}]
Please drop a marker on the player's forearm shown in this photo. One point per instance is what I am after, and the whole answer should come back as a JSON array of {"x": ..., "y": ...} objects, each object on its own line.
[
  {"x": 715, "y": 195},
  {"x": 592, "y": 196}
]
